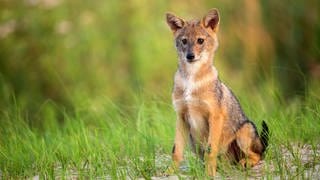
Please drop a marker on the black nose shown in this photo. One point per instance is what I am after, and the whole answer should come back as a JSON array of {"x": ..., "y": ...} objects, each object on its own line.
[{"x": 190, "y": 56}]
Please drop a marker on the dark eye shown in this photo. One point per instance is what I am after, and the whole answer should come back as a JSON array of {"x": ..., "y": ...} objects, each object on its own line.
[
  {"x": 200, "y": 41},
  {"x": 184, "y": 41}
]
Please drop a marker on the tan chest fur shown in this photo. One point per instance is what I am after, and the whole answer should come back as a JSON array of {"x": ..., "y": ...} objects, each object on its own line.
[{"x": 194, "y": 98}]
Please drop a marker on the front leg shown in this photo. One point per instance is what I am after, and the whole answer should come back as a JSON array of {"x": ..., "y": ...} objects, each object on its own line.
[
  {"x": 215, "y": 129},
  {"x": 179, "y": 142}
]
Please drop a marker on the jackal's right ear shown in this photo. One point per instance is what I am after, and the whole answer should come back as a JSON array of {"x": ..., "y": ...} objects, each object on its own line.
[
  {"x": 174, "y": 22},
  {"x": 211, "y": 20}
]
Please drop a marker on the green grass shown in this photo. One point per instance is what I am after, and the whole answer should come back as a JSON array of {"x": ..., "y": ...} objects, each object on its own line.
[{"x": 117, "y": 141}]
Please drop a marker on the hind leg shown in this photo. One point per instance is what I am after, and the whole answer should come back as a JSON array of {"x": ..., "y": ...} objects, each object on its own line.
[{"x": 249, "y": 143}]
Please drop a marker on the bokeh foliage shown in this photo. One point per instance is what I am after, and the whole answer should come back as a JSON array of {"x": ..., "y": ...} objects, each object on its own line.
[{"x": 68, "y": 51}]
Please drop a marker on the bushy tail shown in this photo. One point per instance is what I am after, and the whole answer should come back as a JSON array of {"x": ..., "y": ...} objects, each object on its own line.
[{"x": 264, "y": 136}]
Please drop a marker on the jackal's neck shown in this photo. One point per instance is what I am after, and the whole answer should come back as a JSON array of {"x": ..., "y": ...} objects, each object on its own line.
[{"x": 198, "y": 70}]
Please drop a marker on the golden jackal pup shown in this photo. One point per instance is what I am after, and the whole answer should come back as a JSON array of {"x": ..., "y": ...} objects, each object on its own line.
[{"x": 208, "y": 114}]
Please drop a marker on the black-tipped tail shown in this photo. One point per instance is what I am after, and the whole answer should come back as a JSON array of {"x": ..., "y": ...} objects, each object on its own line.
[{"x": 264, "y": 136}]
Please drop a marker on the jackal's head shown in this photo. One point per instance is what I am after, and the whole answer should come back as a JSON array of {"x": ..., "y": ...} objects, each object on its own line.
[{"x": 195, "y": 40}]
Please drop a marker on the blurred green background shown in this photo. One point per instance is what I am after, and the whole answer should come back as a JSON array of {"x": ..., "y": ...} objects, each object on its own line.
[{"x": 58, "y": 54}]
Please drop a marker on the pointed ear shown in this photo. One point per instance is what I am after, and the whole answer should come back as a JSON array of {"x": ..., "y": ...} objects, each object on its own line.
[
  {"x": 211, "y": 20},
  {"x": 174, "y": 22}
]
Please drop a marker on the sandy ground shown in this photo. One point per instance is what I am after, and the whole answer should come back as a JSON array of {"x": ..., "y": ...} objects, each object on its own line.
[{"x": 297, "y": 161}]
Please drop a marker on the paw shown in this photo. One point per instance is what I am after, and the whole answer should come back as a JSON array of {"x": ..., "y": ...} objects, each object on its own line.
[
  {"x": 211, "y": 171},
  {"x": 243, "y": 163},
  {"x": 171, "y": 170},
  {"x": 247, "y": 163}
]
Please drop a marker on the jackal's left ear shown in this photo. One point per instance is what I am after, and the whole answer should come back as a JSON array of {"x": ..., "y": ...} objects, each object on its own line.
[
  {"x": 174, "y": 22},
  {"x": 211, "y": 20}
]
